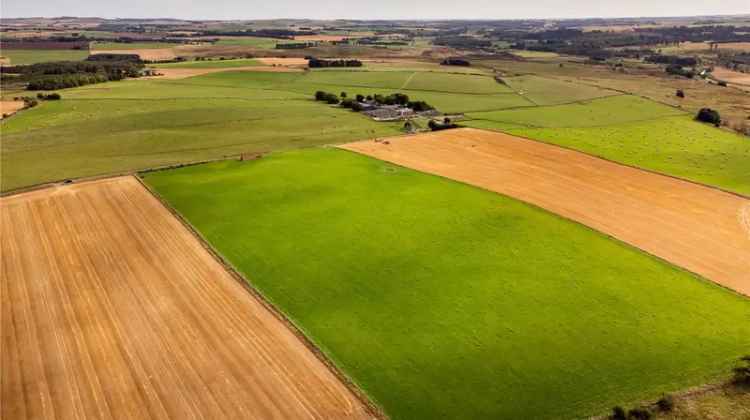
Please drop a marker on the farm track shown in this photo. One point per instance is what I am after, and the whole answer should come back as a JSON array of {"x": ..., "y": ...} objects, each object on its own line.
[
  {"x": 111, "y": 308},
  {"x": 687, "y": 224}
]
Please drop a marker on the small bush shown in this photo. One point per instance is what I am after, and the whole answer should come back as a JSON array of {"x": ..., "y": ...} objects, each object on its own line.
[
  {"x": 618, "y": 413},
  {"x": 680, "y": 93},
  {"x": 639, "y": 414},
  {"x": 709, "y": 115},
  {"x": 665, "y": 403},
  {"x": 742, "y": 372},
  {"x": 29, "y": 102}
]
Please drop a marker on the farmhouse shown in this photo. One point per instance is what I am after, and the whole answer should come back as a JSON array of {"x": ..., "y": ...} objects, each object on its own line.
[{"x": 389, "y": 112}]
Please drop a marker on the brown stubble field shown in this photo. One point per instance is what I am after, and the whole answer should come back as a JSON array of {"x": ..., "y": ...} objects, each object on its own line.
[
  {"x": 701, "y": 229},
  {"x": 111, "y": 308}
]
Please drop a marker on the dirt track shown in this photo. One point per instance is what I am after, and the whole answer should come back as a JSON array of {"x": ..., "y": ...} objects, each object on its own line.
[
  {"x": 701, "y": 229},
  {"x": 111, "y": 308}
]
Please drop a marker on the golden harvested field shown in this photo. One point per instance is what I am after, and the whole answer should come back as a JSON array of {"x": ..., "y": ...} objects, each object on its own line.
[
  {"x": 702, "y": 229},
  {"x": 184, "y": 73},
  {"x": 151, "y": 54},
  {"x": 10, "y": 107},
  {"x": 731, "y": 76},
  {"x": 111, "y": 308},
  {"x": 283, "y": 61}
]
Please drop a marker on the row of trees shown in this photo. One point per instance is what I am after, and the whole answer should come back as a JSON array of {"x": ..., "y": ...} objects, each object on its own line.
[
  {"x": 68, "y": 74},
  {"x": 313, "y": 62},
  {"x": 454, "y": 61}
]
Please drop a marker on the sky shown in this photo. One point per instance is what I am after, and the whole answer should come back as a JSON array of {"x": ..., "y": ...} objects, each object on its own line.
[{"x": 368, "y": 9}]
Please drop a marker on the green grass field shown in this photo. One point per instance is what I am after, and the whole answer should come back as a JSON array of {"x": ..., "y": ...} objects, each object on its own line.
[
  {"x": 598, "y": 112},
  {"x": 42, "y": 56},
  {"x": 266, "y": 43},
  {"x": 210, "y": 64},
  {"x": 230, "y": 112},
  {"x": 546, "y": 91},
  {"x": 100, "y": 45},
  {"x": 129, "y": 125},
  {"x": 441, "y": 300},
  {"x": 636, "y": 132}
]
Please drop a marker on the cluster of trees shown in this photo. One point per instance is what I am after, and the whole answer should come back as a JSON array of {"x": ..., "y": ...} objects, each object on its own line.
[
  {"x": 54, "y": 96},
  {"x": 294, "y": 45},
  {"x": 67, "y": 74},
  {"x": 359, "y": 101},
  {"x": 709, "y": 115},
  {"x": 454, "y": 61},
  {"x": 672, "y": 59},
  {"x": 313, "y": 62},
  {"x": 381, "y": 41},
  {"x": 445, "y": 125},
  {"x": 678, "y": 70},
  {"x": 330, "y": 98}
]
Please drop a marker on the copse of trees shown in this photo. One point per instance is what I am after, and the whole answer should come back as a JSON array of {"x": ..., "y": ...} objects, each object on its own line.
[
  {"x": 709, "y": 115},
  {"x": 677, "y": 70},
  {"x": 313, "y": 62},
  {"x": 54, "y": 96},
  {"x": 67, "y": 74},
  {"x": 330, "y": 98},
  {"x": 453, "y": 61}
]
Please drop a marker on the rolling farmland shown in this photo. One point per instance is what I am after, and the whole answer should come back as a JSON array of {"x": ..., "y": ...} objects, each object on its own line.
[
  {"x": 672, "y": 219},
  {"x": 111, "y": 308},
  {"x": 465, "y": 335}
]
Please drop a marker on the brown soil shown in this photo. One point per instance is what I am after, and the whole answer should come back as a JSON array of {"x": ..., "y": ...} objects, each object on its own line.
[
  {"x": 111, "y": 308},
  {"x": 283, "y": 61},
  {"x": 177, "y": 73},
  {"x": 731, "y": 76},
  {"x": 699, "y": 228},
  {"x": 10, "y": 107}
]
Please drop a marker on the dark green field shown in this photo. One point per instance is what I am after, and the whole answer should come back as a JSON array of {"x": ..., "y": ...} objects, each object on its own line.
[{"x": 445, "y": 301}]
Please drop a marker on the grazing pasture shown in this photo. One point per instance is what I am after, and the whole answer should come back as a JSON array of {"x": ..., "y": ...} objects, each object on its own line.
[
  {"x": 454, "y": 83},
  {"x": 523, "y": 315},
  {"x": 598, "y": 112},
  {"x": 669, "y": 218},
  {"x": 256, "y": 42},
  {"x": 129, "y": 125},
  {"x": 635, "y": 132},
  {"x": 256, "y": 108},
  {"x": 41, "y": 56},
  {"x": 548, "y": 91},
  {"x": 111, "y": 308}
]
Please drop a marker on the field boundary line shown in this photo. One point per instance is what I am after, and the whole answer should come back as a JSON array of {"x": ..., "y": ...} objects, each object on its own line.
[
  {"x": 369, "y": 404},
  {"x": 406, "y": 82},
  {"x": 607, "y": 235}
]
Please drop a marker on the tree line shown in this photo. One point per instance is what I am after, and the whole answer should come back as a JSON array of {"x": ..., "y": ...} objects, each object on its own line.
[{"x": 67, "y": 74}]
